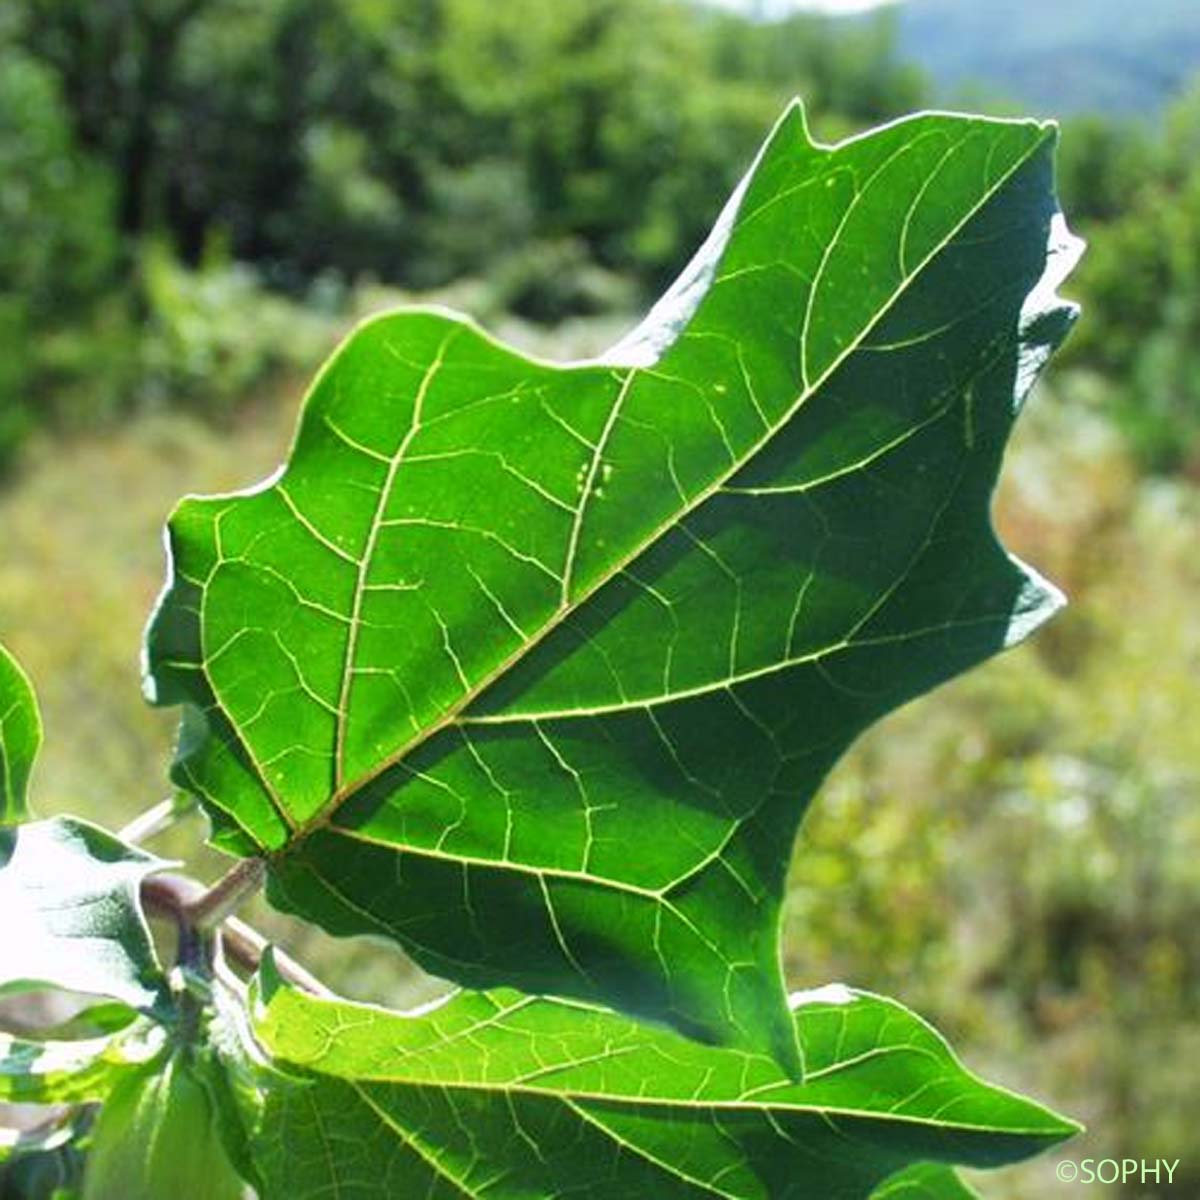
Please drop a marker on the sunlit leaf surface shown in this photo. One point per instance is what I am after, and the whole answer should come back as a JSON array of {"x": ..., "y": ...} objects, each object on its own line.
[
  {"x": 504, "y": 1095},
  {"x": 534, "y": 669},
  {"x": 73, "y": 920}
]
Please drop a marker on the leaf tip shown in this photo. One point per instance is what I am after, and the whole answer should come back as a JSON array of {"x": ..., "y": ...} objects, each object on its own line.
[
  {"x": 795, "y": 117},
  {"x": 1069, "y": 1125},
  {"x": 1037, "y": 600}
]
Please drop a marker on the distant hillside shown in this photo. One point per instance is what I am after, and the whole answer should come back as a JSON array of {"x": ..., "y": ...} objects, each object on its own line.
[{"x": 1057, "y": 56}]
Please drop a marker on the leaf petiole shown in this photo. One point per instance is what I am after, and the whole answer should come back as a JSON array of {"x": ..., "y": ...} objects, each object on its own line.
[{"x": 225, "y": 896}]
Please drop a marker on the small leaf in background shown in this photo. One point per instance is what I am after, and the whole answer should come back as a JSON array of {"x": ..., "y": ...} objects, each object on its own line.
[
  {"x": 157, "y": 1138},
  {"x": 504, "y": 1095},
  {"x": 69, "y": 895},
  {"x": 20, "y": 738},
  {"x": 534, "y": 669},
  {"x": 925, "y": 1181}
]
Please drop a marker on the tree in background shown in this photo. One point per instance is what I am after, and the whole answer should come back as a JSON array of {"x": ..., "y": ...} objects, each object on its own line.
[
  {"x": 320, "y": 136},
  {"x": 1140, "y": 199},
  {"x": 176, "y": 157}
]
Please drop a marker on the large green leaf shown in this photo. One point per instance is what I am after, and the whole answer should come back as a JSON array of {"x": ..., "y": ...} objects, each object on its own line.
[
  {"x": 69, "y": 899},
  {"x": 20, "y": 738},
  {"x": 534, "y": 669},
  {"x": 502, "y": 1095}
]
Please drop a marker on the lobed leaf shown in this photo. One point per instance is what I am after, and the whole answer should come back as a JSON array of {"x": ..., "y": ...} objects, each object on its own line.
[
  {"x": 503, "y": 1095},
  {"x": 69, "y": 897},
  {"x": 20, "y": 738},
  {"x": 534, "y": 669}
]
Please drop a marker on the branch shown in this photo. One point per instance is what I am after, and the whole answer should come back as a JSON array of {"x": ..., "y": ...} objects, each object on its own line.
[
  {"x": 155, "y": 820},
  {"x": 175, "y": 896},
  {"x": 245, "y": 944}
]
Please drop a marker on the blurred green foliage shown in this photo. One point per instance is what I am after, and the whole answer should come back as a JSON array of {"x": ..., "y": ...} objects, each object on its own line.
[
  {"x": 198, "y": 196},
  {"x": 1020, "y": 850},
  {"x": 571, "y": 154},
  {"x": 56, "y": 240},
  {"x": 176, "y": 172},
  {"x": 1135, "y": 194}
]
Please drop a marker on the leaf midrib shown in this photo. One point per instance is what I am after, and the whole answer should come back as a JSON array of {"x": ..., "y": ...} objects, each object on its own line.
[
  {"x": 413, "y": 1140},
  {"x": 820, "y": 1111}
]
